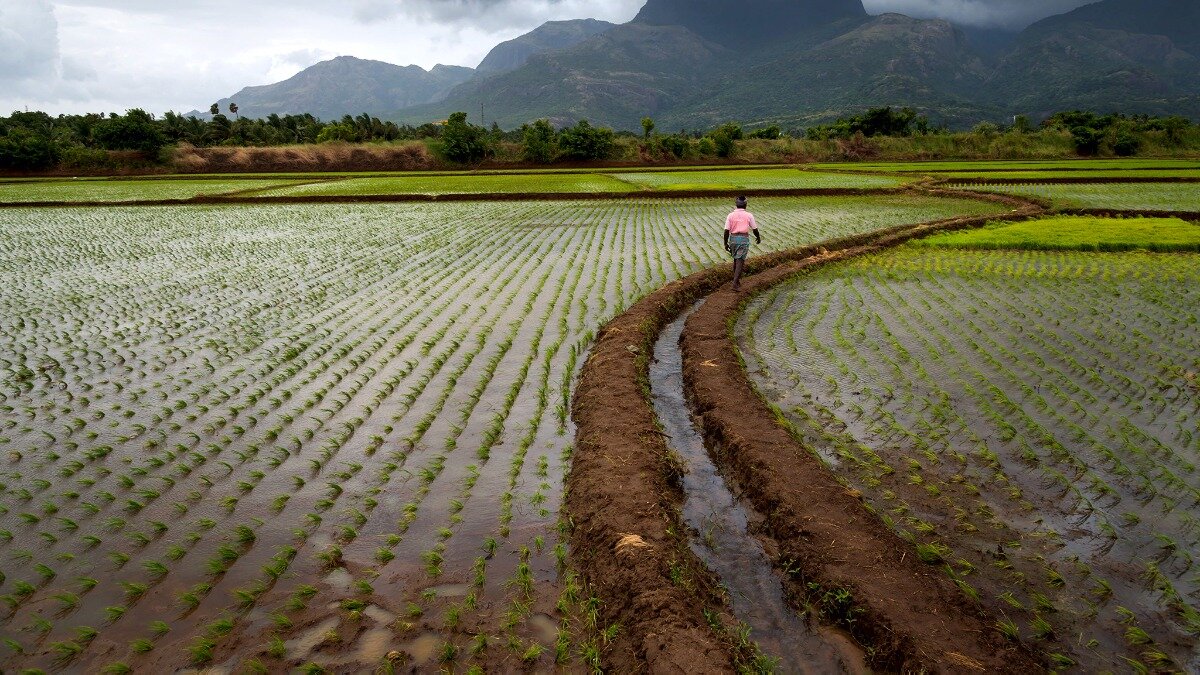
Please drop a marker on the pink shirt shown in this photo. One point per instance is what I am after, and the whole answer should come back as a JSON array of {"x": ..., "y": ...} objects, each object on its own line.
[{"x": 740, "y": 221}]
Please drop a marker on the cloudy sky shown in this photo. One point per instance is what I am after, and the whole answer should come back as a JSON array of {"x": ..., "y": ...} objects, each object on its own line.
[{"x": 67, "y": 56}]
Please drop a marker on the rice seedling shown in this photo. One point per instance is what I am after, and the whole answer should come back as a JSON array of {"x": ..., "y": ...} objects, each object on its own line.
[{"x": 300, "y": 394}]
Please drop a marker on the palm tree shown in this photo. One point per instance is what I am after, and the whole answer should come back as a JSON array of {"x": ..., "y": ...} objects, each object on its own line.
[{"x": 233, "y": 108}]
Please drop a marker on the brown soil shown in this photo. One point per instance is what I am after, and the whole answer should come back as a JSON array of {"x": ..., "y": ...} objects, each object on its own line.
[{"x": 624, "y": 508}]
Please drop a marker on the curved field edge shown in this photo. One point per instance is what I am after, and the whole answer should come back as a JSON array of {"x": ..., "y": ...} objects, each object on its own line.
[{"x": 627, "y": 539}]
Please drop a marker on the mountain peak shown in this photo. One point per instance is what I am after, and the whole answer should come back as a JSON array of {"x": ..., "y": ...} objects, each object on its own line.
[
  {"x": 735, "y": 23},
  {"x": 550, "y": 36}
]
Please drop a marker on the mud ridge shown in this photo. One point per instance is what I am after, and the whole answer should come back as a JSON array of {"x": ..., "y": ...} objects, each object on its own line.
[{"x": 624, "y": 508}]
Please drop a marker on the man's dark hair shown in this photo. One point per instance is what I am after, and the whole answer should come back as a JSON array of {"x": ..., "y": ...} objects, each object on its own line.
[{"x": 740, "y": 202}]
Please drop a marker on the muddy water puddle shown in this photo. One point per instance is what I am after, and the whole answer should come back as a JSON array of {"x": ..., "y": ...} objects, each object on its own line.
[{"x": 720, "y": 522}]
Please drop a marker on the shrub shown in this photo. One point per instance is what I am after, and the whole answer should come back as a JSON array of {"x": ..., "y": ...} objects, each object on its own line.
[
  {"x": 585, "y": 142},
  {"x": 23, "y": 150},
  {"x": 540, "y": 142},
  {"x": 462, "y": 141},
  {"x": 135, "y": 130}
]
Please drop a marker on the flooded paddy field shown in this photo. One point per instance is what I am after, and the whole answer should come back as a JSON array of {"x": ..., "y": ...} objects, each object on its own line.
[
  {"x": 329, "y": 435},
  {"x": 1028, "y": 420}
]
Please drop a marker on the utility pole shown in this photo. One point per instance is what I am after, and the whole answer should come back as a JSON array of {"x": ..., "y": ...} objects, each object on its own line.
[{"x": 482, "y": 123}]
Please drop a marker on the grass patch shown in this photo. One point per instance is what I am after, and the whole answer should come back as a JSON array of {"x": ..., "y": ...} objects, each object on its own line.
[{"x": 1077, "y": 234}]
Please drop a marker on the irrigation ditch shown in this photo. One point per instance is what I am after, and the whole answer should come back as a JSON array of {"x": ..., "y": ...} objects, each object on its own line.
[{"x": 624, "y": 498}]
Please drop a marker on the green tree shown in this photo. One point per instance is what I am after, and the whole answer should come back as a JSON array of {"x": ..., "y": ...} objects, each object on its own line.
[
  {"x": 647, "y": 127},
  {"x": 585, "y": 142},
  {"x": 1126, "y": 144},
  {"x": 540, "y": 142},
  {"x": 986, "y": 129},
  {"x": 1087, "y": 140},
  {"x": 135, "y": 130},
  {"x": 462, "y": 141},
  {"x": 23, "y": 150},
  {"x": 770, "y": 133},
  {"x": 676, "y": 146},
  {"x": 337, "y": 133},
  {"x": 1172, "y": 127},
  {"x": 214, "y": 109},
  {"x": 724, "y": 137}
]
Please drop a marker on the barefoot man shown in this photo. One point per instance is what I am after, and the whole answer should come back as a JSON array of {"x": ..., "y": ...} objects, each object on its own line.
[{"x": 738, "y": 227}]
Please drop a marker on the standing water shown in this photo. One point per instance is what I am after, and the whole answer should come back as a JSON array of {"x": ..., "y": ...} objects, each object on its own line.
[{"x": 722, "y": 542}]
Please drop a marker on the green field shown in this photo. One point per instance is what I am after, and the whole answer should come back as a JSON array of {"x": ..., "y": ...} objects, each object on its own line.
[
  {"x": 1141, "y": 174},
  {"x": 440, "y": 185},
  {"x": 1077, "y": 233},
  {"x": 752, "y": 179},
  {"x": 1127, "y": 196},
  {"x": 935, "y": 167},
  {"x": 122, "y": 190},
  {"x": 261, "y": 425},
  {"x": 1026, "y": 419}
]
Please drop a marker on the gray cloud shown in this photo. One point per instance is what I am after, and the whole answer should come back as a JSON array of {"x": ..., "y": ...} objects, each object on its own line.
[
  {"x": 1012, "y": 14},
  {"x": 28, "y": 40},
  {"x": 492, "y": 14}
]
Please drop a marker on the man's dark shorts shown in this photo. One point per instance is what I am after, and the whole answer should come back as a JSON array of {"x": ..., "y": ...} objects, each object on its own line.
[{"x": 739, "y": 246}]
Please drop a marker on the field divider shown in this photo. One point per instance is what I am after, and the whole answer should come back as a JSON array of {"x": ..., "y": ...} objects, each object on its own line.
[{"x": 623, "y": 497}]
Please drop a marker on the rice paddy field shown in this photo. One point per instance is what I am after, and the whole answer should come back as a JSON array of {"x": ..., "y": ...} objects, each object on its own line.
[
  {"x": 279, "y": 436},
  {"x": 123, "y": 190},
  {"x": 755, "y": 179},
  {"x": 508, "y": 184},
  {"x": 334, "y": 436},
  {"x": 513, "y": 183},
  {"x": 1135, "y": 167},
  {"x": 1028, "y": 419},
  {"x": 1124, "y": 196}
]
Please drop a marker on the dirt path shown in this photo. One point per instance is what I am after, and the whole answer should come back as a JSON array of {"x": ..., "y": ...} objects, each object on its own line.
[{"x": 627, "y": 541}]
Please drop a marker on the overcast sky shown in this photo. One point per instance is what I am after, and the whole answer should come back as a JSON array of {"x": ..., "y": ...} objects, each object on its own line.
[{"x": 66, "y": 56}]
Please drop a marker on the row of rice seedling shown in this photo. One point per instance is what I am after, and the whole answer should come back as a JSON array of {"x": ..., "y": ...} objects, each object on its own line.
[
  {"x": 1121, "y": 196},
  {"x": 126, "y": 190},
  {"x": 1028, "y": 420},
  {"x": 503, "y": 183},
  {"x": 754, "y": 179},
  {"x": 1134, "y": 166},
  {"x": 238, "y": 425}
]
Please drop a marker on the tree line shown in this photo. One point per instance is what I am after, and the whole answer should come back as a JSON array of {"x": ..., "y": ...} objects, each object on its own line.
[{"x": 36, "y": 140}]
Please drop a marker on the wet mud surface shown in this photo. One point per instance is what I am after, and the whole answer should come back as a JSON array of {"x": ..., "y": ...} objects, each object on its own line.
[{"x": 721, "y": 526}]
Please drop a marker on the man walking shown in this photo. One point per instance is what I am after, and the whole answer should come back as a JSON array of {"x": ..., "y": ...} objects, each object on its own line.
[{"x": 738, "y": 227}]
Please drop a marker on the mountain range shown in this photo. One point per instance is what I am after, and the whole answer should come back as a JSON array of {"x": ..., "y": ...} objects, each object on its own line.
[{"x": 697, "y": 63}]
